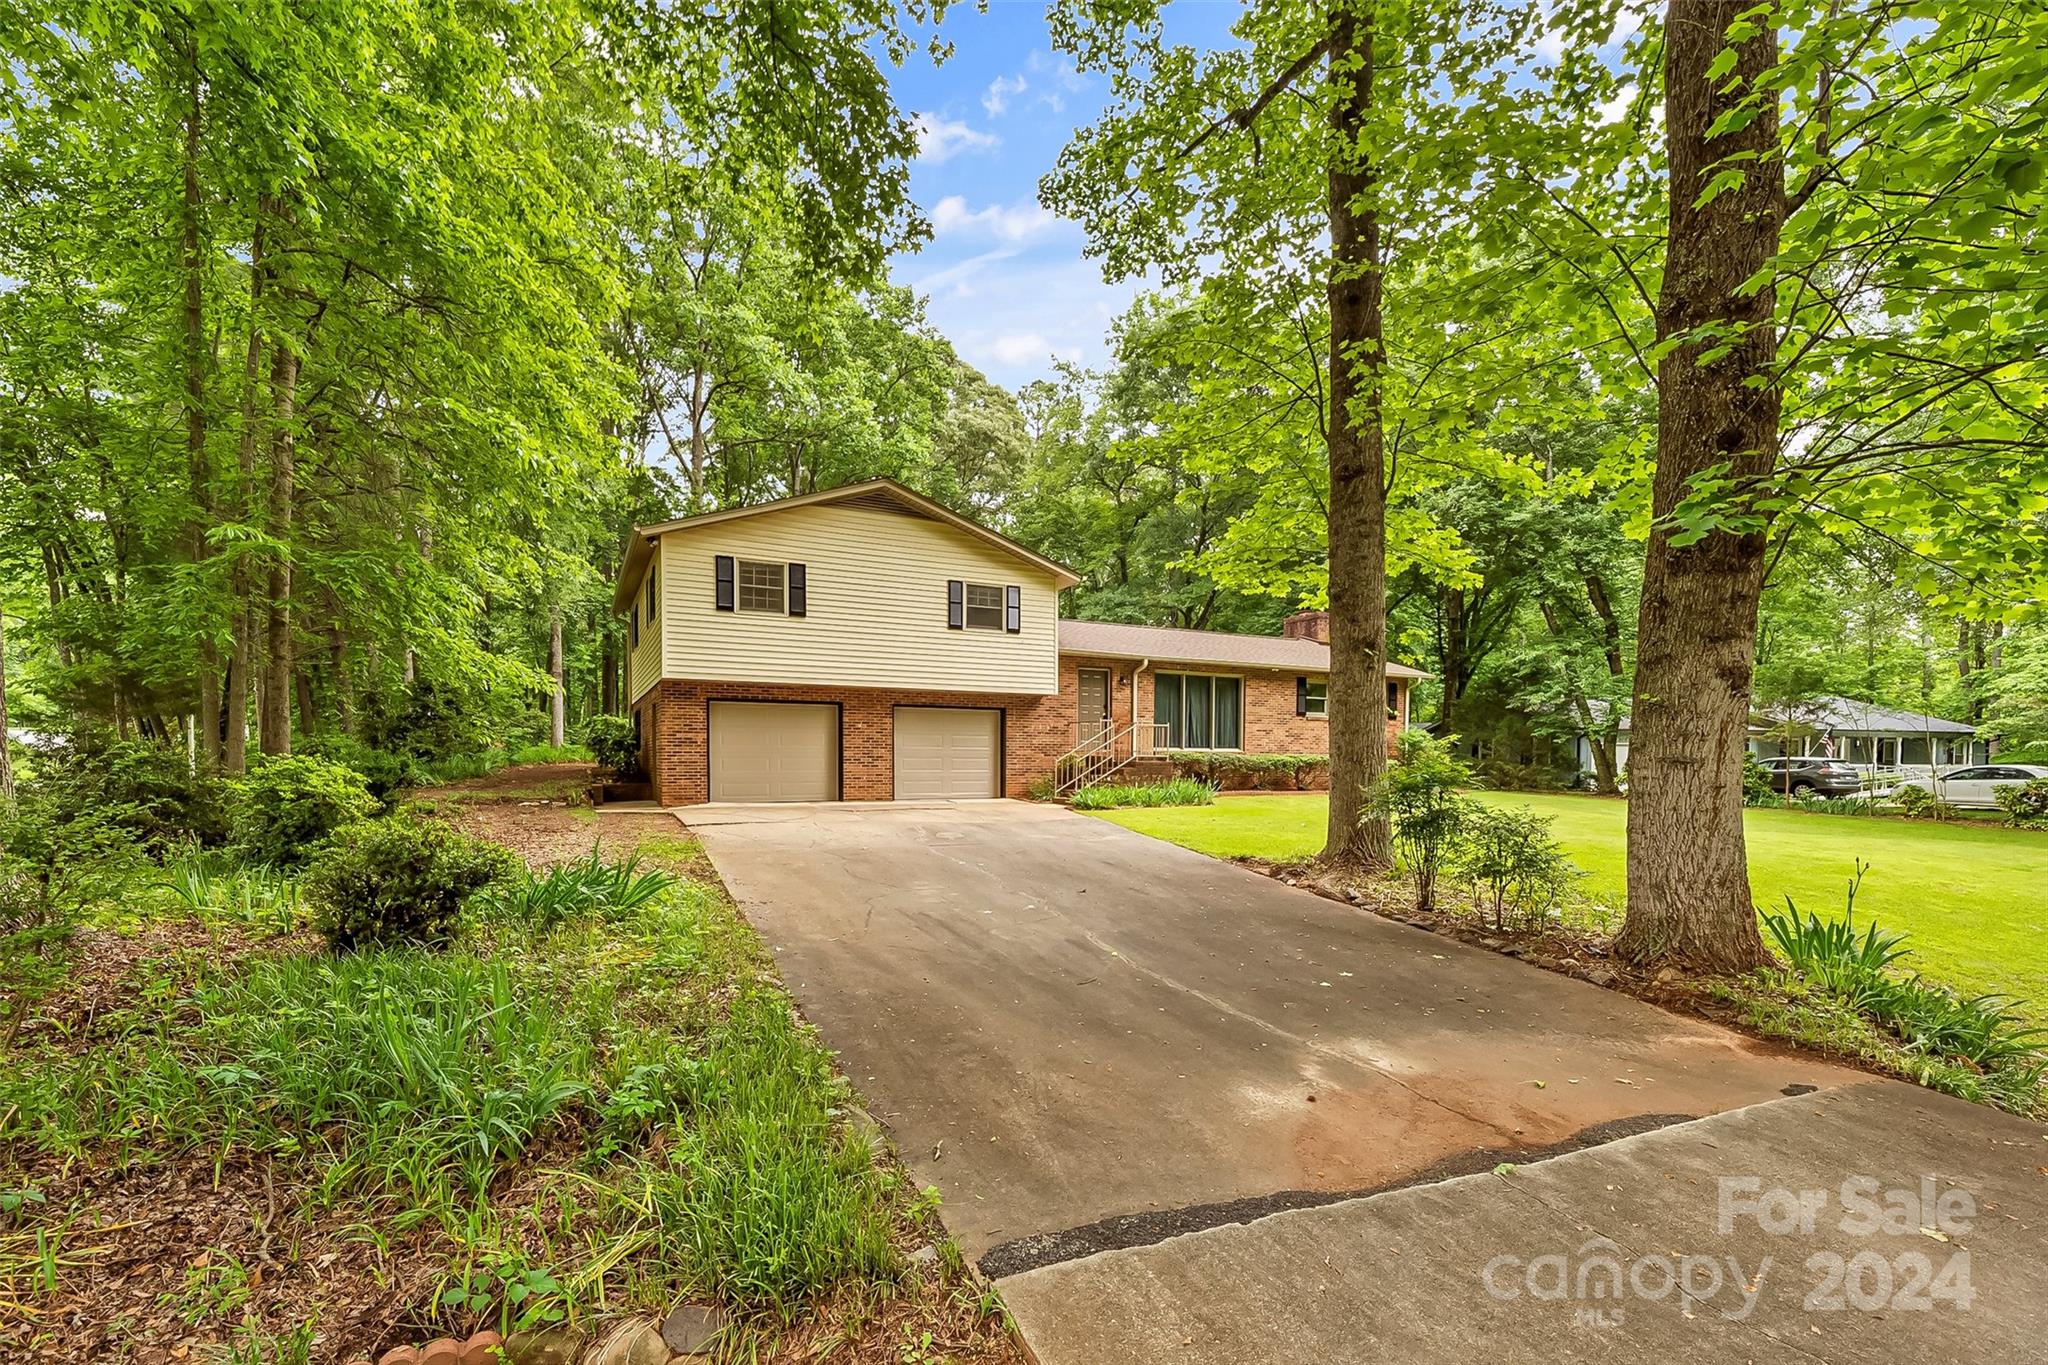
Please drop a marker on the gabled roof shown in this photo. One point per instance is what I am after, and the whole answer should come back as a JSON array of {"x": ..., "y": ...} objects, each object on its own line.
[
  {"x": 1839, "y": 716},
  {"x": 874, "y": 494},
  {"x": 1842, "y": 715},
  {"x": 1165, "y": 645}
]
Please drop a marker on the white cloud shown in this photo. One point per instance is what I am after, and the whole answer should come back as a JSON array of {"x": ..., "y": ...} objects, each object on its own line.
[
  {"x": 1059, "y": 68},
  {"x": 941, "y": 139},
  {"x": 997, "y": 98},
  {"x": 956, "y": 280},
  {"x": 1616, "y": 109},
  {"x": 1017, "y": 348},
  {"x": 1006, "y": 223}
]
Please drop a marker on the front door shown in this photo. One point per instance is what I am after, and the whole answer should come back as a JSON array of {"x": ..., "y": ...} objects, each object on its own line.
[{"x": 1094, "y": 703}]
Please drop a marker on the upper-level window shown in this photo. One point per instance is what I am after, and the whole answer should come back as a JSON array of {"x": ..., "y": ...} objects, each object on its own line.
[
  {"x": 760, "y": 586},
  {"x": 1316, "y": 698},
  {"x": 984, "y": 607}
]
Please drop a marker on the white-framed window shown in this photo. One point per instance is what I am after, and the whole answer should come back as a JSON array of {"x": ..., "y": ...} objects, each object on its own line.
[
  {"x": 1315, "y": 698},
  {"x": 1199, "y": 710},
  {"x": 760, "y": 586},
  {"x": 984, "y": 607}
]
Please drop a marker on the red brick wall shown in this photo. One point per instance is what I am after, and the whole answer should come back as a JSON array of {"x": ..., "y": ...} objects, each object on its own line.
[{"x": 1036, "y": 730}]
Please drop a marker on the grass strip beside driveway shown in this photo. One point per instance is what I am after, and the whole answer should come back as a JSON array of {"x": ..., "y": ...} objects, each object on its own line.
[{"x": 1973, "y": 898}]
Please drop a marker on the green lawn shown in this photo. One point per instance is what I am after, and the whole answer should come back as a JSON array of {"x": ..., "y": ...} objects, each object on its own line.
[{"x": 1973, "y": 897}]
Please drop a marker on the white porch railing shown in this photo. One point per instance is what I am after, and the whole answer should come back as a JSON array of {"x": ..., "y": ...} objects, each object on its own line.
[{"x": 1099, "y": 756}]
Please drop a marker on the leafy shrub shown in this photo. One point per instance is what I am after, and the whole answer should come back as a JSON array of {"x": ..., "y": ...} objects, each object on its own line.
[
  {"x": 1179, "y": 791},
  {"x": 54, "y": 873},
  {"x": 1519, "y": 869},
  {"x": 550, "y": 753},
  {"x": 1839, "y": 805},
  {"x": 1756, "y": 783},
  {"x": 150, "y": 790},
  {"x": 1271, "y": 772},
  {"x": 1500, "y": 774},
  {"x": 388, "y": 775},
  {"x": 615, "y": 744},
  {"x": 428, "y": 721},
  {"x": 1917, "y": 803},
  {"x": 2025, "y": 804},
  {"x": 1420, "y": 794},
  {"x": 589, "y": 886},
  {"x": 401, "y": 879},
  {"x": 289, "y": 805}
]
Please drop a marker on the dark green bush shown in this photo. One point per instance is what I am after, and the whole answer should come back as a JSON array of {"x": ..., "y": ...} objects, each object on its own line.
[
  {"x": 288, "y": 806},
  {"x": 388, "y": 775},
  {"x": 150, "y": 790},
  {"x": 400, "y": 879},
  {"x": 1272, "y": 772},
  {"x": 615, "y": 745},
  {"x": 1756, "y": 783},
  {"x": 1500, "y": 774},
  {"x": 2025, "y": 804}
]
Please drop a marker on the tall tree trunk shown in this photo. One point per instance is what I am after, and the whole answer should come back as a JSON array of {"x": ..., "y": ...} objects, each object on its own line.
[
  {"x": 1688, "y": 874},
  {"x": 558, "y": 702},
  {"x": 277, "y": 634},
  {"x": 194, "y": 342},
  {"x": 1358, "y": 490},
  {"x": 337, "y": 664},
  {"x": 608, "y": 672},
  {"x": 1455, "y": 663},
  {"x": 235, "y": 743},
  {"x": 6, "y": 745}
]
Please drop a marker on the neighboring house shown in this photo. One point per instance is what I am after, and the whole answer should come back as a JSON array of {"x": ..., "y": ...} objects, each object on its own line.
[
  {"x": 1866, "y": 735},
  {"x": 1856, "y": 732},
  {"x": 865, "y": 643}
]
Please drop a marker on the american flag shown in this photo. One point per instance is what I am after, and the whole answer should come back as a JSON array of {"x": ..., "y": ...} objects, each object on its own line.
[{"x": 1827, "y": 745}]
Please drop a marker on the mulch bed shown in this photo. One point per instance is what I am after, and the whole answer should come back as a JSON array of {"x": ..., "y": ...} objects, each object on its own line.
[{"x": 1574, "y": 951}]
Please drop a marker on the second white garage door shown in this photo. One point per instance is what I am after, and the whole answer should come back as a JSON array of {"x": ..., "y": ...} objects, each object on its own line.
[
  {"x": 763, "y": 751},
  {"x": 944, "y": 752}
]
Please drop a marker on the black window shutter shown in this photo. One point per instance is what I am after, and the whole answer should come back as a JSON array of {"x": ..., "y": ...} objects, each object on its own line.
[
  {"x": 1301, "y": 696},
  {"x": 956, "y": 604},
  {"x": 1013, "y": 609},
  {"x": 799, "y": 598},
  {"x": 723, "y": 570}
]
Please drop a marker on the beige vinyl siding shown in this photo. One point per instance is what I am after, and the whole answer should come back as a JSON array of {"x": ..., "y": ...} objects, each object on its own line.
[
  {"x": 643, "y": 664},
  {"x": 877, "y": 606}
]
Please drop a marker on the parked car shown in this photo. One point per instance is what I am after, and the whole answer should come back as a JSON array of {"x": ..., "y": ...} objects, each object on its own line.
[
  {"x": 1813, "y": 776},
  {"x": 1975, "y": 787}
]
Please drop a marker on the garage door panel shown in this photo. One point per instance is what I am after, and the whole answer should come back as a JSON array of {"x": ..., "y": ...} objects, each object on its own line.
[
  {"x": 947, "y": 752},
  {"x": 763, "y": 751}
]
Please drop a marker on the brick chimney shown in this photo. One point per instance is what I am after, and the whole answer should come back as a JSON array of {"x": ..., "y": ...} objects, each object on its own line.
[{"x": 1307, "y": 625}]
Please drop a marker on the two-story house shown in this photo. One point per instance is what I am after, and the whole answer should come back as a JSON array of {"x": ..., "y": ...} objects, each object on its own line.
[{"x": 866, "y": 644}]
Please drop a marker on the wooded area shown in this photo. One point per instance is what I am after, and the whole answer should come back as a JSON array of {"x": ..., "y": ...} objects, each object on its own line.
[{"x": 1581, "y": 357}]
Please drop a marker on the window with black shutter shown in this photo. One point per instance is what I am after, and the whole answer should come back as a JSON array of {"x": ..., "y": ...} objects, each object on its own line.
[
  {"x": 722, "y": 570},
  {"x": 799, "y": 590},
  {"x": 956, "y": 604},
  {"x": 1013, "y": 609}
]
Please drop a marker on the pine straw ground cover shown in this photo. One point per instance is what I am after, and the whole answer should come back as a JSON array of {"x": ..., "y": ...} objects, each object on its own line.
[{"x": 221, "y": 1142}]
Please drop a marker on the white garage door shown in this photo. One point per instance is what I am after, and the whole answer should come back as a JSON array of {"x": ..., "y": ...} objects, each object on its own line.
[
  {"x": 945, "y": 752},
  {"x": 764, "y": 751}
]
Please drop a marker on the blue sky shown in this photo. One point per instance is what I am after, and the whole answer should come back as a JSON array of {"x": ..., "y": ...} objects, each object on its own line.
[{"x": 1007, "y": 281}]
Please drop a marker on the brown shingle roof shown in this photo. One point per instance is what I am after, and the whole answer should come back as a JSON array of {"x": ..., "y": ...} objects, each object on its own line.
[{"x": 1161, "y": 644}]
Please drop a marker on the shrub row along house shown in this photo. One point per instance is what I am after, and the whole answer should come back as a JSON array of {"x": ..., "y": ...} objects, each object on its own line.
[{"x": 867, "y": 644}]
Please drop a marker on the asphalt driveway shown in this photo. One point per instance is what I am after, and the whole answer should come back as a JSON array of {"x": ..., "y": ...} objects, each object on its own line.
[{"x": 1087, "y": 1038}]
